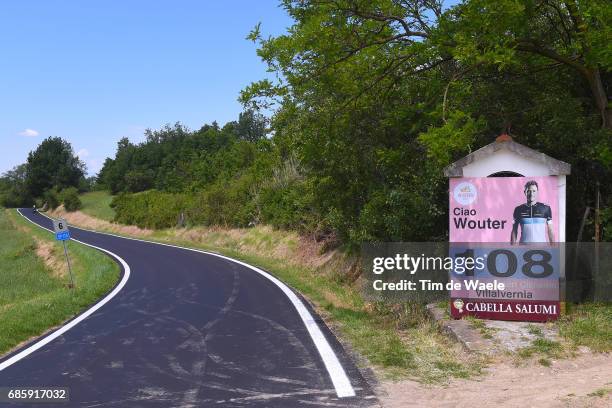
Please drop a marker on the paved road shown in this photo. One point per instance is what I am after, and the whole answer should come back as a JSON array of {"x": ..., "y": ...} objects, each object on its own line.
[{"x": 189, "y": 329}]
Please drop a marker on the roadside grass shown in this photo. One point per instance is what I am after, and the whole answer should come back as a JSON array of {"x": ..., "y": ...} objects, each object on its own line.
[
  {"x": 545, "y": 362},
  {"x": 542, "y": 346},
  {"x": 97, "y": 204},
  {"x": 480, "y": 325},
  {"x": 398, "y": 341},
  {"x": 32, "y": 298},
  {"x": 544, "y": 349},
  {"x": 535, "y": 330},
  {"x": 590, "y": 325}
]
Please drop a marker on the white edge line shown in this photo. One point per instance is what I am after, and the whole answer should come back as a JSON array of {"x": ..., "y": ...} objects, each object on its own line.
[
  {"x": 26, "y": 352},
  {"x": 338, "y": 376}
]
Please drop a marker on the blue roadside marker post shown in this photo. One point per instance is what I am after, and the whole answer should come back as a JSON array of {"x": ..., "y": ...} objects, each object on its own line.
[
  {"x": 62, "y": 236},
  {"x": 62, "y": 233}
]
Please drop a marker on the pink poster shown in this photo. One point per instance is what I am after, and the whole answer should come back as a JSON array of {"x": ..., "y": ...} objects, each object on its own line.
[{"x": 517, "y": 210}]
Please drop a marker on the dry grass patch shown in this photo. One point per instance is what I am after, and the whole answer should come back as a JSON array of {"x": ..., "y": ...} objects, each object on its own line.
[
  {"x": 262, "y": 240},
  {"x": 46, "y": 251},
  {"x": 54, "y": 261},
  {"x": 83, "y": 220},
  {"x": 267, "y": 242}
]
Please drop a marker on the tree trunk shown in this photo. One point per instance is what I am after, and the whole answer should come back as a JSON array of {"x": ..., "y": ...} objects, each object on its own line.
[{"x": 600, "y": 97}]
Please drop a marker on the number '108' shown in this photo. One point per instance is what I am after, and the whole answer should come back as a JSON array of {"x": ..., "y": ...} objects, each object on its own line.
[{"x": 545, "y": 268}]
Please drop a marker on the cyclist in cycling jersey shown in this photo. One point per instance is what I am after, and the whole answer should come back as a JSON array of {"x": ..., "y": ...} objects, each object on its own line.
[{"x": 534, "y": 218}]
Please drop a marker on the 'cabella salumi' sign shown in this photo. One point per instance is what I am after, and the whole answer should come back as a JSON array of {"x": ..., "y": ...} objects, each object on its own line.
[{"x": 510, "y": 226}]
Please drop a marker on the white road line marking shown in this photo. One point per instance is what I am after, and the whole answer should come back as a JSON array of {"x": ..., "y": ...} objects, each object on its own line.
[
  {"x": 26, "y": 352},
  {"x": 338, "y": 376}
]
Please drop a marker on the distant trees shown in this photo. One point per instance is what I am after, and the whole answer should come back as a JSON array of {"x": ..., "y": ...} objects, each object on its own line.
[
  {"x": 231, "y": 175},
  {"x": 176, "y": 159},
  {"x": 52, "y": 166},
  {"x": 13, "y": 188},
  {"x": 114, "y": 170},
  {"x": 251, "y": 126}
]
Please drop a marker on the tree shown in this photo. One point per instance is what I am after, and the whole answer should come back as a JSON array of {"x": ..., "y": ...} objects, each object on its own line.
[
  {"x": 13, "y": 189},
  {"x": 53, "y": 164},
  {"x": 251, "y": 126},
  {"x": 354, "y": 94},
  {"x": 415, "y": 36},
  {"x": 113, "y": 172},
  {"x": 539, "y": 34},
  {"x": 375, "y": 97}
]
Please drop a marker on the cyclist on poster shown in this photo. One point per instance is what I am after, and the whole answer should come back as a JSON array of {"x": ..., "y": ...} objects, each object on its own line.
[{"x": 534, "y": 218}]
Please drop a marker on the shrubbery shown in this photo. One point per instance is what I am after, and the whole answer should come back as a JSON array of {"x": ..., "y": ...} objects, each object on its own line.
[
  {"x": 227, "y": 203},
  {"x": 51, "y": 198},
  {"x": 150, "y": 209},
  {"x": 287, "y": 207},
  {"x": 238, "y": 202},
  {"x": 70, "y": 199}
]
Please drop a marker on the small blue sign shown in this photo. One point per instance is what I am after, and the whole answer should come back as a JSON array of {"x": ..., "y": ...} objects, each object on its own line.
[{"x": 62, "y": 236}]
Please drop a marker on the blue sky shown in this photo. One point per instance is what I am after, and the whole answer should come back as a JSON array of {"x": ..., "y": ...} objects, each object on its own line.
[{"x": 93, "y": 72}]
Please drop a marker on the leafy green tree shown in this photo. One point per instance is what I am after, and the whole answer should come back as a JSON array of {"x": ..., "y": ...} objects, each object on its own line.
[
  {"x": 52, "y": 199},
  {"x": 114, "y": 170},
  {"x": 139, "y": 180},
  {"x": 53, "y": 164},
  {"x": 376, "y": 97},
  {"x": 536, "y": 34},
  {"x": 13, "y": 188},
  {"x": 251, "y": 126}
]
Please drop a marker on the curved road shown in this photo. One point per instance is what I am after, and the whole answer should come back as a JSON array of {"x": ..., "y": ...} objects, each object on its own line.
[{"x": 190, "y": 329}]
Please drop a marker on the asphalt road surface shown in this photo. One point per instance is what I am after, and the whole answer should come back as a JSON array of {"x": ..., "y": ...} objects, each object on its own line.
[{"x": 189, "y": 329}]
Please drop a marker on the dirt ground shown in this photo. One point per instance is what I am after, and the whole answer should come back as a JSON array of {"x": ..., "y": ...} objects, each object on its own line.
[{"x": 566, "y": 383}]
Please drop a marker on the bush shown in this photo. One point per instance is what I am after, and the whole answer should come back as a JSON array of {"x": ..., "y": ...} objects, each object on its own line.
[
  {"x": 70, "y": 198},
  {"x": 139, "y": 180},
  {"x": 51, "y": 197},
  {"x": 288, "y": 207},
  {"x": 13, "y": 198},
  {"x": 226, "y": 203},
  {"x": 150, "y": 209}
]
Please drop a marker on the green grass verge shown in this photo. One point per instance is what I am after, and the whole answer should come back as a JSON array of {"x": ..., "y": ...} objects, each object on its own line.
[
  {"x": 32, "y": 299},
  {"x": 480, "y": 325},
  {"x": 542, "y": 346},
  {"x": 97, "y": 204},
  {"x": 589, "y": 325}
]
